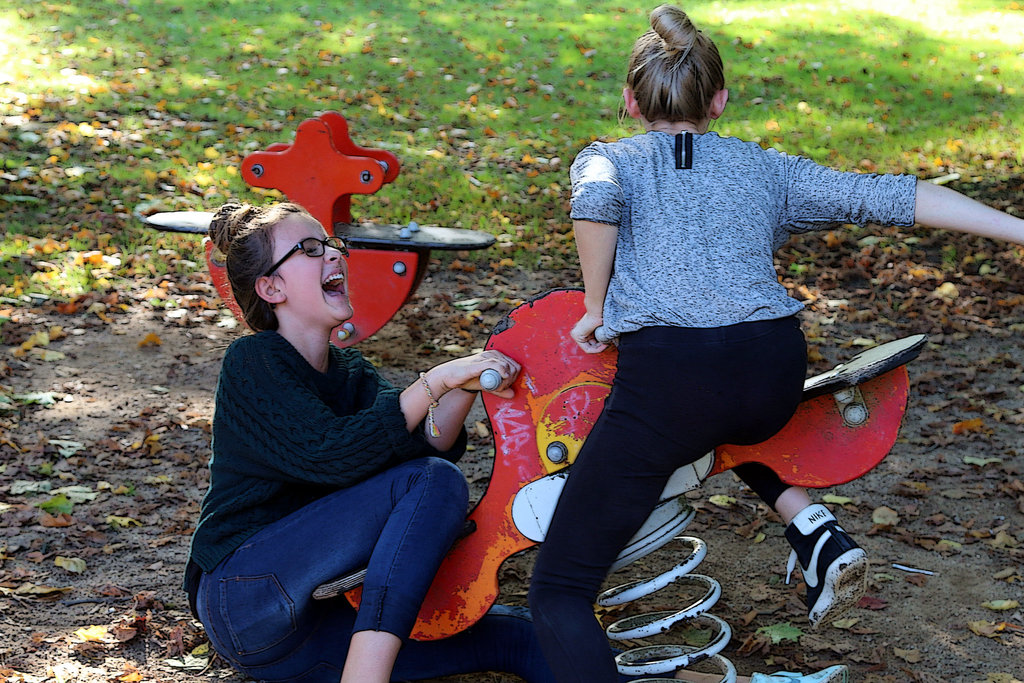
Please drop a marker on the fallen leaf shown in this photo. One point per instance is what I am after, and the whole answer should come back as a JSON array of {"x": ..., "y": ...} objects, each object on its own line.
[
  {"x": 93, "y": 634},
  {"x": 986, "y": 629},
  {"x": 781, "y": 632},
  {"x": 912, "y": 656},
  {"x": 56, "y": 521},
  {"x": 836, "y": 500},
  {"x": 122, "y": 522},
  {"x": 981, "y": 462},
  {"x": 58, "y": 504},
  {"x": 845, "y": 624},
  {"x": 1000, "y": 605},
  {"x": 967, "y": 426},
  {"x": 150, "y": 339},
  {"x": 75, "y": 565},
  {"x": 872, "y": 603},
  {"x": 885, "y": 516},
  {"x": 40, "y": 590},
  {"x": 66, "y": 448}
]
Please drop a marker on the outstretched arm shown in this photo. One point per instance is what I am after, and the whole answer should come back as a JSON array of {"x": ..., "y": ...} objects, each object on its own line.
[
  {"x": 595, "y": 243},
  {"x": 941, "y": 207}
]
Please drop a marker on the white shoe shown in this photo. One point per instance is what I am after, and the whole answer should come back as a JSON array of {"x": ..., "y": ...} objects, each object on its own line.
[
  {"x": 833, "y": 674},
  {"x": 835, "y": 568}
]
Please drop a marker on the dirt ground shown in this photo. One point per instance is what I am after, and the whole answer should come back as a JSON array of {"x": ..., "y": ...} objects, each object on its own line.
[{"x": 126, "y": 441}]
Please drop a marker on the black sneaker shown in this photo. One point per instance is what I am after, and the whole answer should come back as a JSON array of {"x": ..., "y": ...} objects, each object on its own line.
[{"x": 835, "y": 568}]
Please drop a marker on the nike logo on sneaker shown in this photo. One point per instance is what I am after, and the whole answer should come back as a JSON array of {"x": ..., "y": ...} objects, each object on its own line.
[{"x": 811, "y": 571}]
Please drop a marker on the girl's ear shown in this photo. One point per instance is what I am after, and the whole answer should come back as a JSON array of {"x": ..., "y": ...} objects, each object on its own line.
[
  {"x": 718, "y": 102},
  {"x": 268, "y": 290},
  {"x": 632, "y": 108}
]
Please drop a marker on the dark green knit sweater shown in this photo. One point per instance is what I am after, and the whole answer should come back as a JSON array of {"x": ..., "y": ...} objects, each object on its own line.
[{"x": 285, "y": 435}]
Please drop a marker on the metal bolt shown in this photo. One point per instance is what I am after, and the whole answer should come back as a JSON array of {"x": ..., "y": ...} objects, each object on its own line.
[
  {"x": 855, "y": 414},
  {"x": 257, "y": 170},
  {"x": 557, "y": 452},
  {"x": 346, "y": 331},
  {"x": 366, "y": 177},
  {"x": 399, "y": 268}
]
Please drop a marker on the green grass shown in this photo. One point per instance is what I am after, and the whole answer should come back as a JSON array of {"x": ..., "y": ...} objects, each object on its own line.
[{"x": 107, "y": 106}]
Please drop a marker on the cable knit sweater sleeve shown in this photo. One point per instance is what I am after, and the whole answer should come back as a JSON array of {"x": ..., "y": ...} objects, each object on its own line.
[{"x": 285, "y": 435}]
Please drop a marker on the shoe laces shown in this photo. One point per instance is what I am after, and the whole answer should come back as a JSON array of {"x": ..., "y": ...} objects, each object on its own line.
[{"x": 790, "y": 565}]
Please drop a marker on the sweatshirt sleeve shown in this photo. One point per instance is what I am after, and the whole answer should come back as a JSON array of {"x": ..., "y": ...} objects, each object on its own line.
[
  {"x": 597, "y": 195},
  {"x": 276, "y": 426},
  {"x": 818, "y": 197}
]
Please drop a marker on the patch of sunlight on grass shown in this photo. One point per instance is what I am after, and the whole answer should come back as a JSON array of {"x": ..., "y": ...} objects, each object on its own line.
[{"x": 947, "y": 20}]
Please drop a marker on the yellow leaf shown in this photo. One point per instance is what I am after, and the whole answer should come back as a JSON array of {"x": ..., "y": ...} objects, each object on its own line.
[
  {"x": 122, "y": 522},
  {"x": 947, "y": 290},
  {"x": 40, "y": 338},
  {"x": 75, "y": 565},
  {"x": 201, "y": 650},
  {"x": 836, "y": 500},
  {"x": 983, "y": 628},
  {"x": 93, "y": 634},
  {"x": 1000, "y": 605},
  {"x": 845, "y": 624},
  {"x": 211, "y": 153},
  {"x": 722, "y": 501},
  {"x": 48, "y": 355},
  {"x": 150, "y": 339},
  {"x": 34, "y": 589},
  {"x": 912, "y": 656},
  {"x": 1003, "y": 540},
  {"x": 885, "y": 516}
]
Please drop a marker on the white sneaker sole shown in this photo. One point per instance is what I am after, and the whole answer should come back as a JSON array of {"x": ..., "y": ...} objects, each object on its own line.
[{"x": 844, "y": 586}]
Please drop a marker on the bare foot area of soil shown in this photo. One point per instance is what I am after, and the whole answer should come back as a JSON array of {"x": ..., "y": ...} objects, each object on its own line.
[{"x": 99, "y": 491}]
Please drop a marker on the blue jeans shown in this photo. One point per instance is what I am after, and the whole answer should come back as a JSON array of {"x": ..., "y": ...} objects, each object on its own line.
[
  {"x": 257, "y": 605},
  {"x": 678, "y": 393}
]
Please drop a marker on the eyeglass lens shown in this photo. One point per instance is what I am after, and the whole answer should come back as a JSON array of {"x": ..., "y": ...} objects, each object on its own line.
[{"x": 312, "y": 246}]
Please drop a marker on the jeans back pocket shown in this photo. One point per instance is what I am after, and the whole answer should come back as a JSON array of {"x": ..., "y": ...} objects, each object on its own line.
[{"x": 257, "y": 612}]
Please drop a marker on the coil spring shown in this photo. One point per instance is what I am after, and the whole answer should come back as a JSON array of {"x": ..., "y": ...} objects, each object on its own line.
[{"x": 664, "y": 659}]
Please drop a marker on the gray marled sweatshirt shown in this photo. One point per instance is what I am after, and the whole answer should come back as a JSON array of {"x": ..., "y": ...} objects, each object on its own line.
[{"x": 696, "y": 245}]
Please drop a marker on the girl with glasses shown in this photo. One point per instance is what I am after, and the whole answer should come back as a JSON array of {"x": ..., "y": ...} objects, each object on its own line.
[
  {"x": 321, "y": 468},
  {"x": 676, "y": 229}
]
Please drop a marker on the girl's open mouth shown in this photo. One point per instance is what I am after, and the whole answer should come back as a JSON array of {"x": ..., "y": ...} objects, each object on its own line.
[{"x": 335, "y": 284}]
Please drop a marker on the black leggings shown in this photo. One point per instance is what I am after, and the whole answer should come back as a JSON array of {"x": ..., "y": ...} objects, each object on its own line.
[{"x": 678, "y": 393}]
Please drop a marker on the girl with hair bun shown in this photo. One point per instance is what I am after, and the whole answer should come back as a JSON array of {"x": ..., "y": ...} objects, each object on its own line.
[
  {"x": 321, "y": 468},
  {"x": 676, "y": 230}
]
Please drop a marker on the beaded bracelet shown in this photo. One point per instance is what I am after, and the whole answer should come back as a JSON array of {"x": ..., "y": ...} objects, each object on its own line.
[{"x": 431, "y": 425}]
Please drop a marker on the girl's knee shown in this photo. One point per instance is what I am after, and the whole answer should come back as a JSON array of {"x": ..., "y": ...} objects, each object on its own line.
[
  {"x": 439, "y": 481},
  {"x": 447, "y": 475}
]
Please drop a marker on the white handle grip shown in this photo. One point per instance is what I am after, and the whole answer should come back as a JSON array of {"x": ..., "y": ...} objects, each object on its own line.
[
  {"x": 490, "y": 379},
  {"x": 603, "y": 334}
]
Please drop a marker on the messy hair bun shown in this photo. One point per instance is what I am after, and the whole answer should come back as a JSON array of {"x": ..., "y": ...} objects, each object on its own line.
[
  {"x": 674, "y": 70},
  {"x": 675, "y": 29},
  {"x": 244, "y": 235}
]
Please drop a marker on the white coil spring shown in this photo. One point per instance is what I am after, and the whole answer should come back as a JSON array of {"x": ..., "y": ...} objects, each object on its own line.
[{"x": 665, "y": 659}]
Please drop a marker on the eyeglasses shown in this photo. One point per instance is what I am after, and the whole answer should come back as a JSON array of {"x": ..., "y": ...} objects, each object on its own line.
[{"x": 312, "y": 247}]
